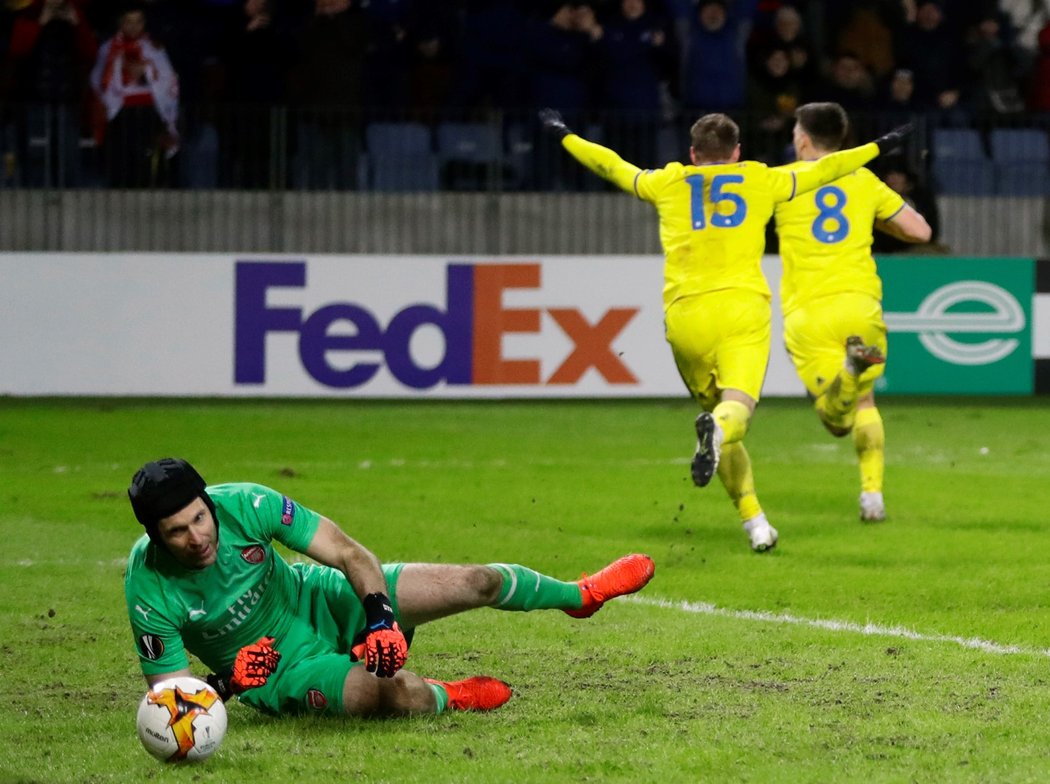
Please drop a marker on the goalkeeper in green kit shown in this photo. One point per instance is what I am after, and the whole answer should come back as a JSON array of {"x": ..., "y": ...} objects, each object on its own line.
[{"x": 325, "y": 637}]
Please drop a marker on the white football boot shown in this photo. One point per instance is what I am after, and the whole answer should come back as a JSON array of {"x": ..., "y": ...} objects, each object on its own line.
[
  {"x": 872, "y": 508},
  {"x": 763, "y": 536}
]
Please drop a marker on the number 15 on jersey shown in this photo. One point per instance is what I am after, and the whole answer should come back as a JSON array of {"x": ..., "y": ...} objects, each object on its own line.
[{"x": 721, "y": 192}]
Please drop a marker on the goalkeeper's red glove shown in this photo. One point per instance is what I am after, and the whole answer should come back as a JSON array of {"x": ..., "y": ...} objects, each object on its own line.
[
  {"x": 254, "y": 664},
  {"x": 385, "y": 647}
]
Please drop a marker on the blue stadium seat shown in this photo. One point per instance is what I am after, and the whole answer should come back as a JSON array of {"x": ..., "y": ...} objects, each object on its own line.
[
  {"x": 957, "y": 143},
  {"x": 418, "y": 171},
  {"x": 401, "y": 157},
  {"x": 476, "y": 142},
  {"x": 394, "y": 138},
  {"x": 960, "y": 165},
  {"x": 471, "y": 154},
  {"x": 1022, "y": 161},
  {"x": 519, "y": 154}
]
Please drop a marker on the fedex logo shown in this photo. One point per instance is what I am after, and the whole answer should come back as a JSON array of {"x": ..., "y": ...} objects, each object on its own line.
[{"x": 473, "y": 323}]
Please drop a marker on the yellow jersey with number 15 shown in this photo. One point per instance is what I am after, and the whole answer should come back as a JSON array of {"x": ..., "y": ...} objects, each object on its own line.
[
  {"x": 713, "y": 223},
  {"x": 826, "y": 236}
]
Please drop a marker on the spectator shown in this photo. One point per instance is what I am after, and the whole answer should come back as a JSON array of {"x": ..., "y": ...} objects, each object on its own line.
[
  {"x": 849, "y": 83},
  {"x": 52, "y": 52},
  {"x": 432, "y": 59},
  {"x": 560, "y": 52},
  {"x": 139, "y": 93},
  {"x": 489, "y": 71},
  {"x": 1038, "y": 99},
  {"x": 326, "y": 84},
  {"x": 789, "y": 34},
  {"x": 1028, "y": 17},
  {"x": 870, "y": 28},
  {"x": 189, "y": 31},
  {"x": 895, "y": 172},
  {"x": 257, "y": 57},
  {"x": 387, "y": 57},
  {"x": 997, "y": 67},
  {"x": 638, "y": 61},
  {"x": 773, "y": 94},
  {"x": 933, "y": 53},
  {"x": 715, "y": 65},
  {"x": 898, "y": 95}
]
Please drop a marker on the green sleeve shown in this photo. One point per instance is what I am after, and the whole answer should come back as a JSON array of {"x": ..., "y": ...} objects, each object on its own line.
[
  {"x": 266, "y": 514},
  {"x": 158, "y": 638}
]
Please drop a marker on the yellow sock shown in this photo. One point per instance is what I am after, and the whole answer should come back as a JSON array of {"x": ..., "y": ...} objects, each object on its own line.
[
  {"x": 869, "y": 437},
  {"x": 837, "y": 407},
  {"x": 734, "y": 469},
  {"x": 734, "y": 417}
]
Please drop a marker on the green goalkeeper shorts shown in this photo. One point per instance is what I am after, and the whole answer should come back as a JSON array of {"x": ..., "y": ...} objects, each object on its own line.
[{"x": 315, "y": 652}]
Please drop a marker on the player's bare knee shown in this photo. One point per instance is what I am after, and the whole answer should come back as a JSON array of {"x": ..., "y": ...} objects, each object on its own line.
[
  {"x": 366, "y": 695},
  {"x": 485, "y": 582},
  {"x": 360, "y": 693}
]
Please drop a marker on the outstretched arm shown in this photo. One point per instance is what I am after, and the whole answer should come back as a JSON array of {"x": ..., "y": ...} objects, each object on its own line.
[
  {"x": 833, "y": 166},
  {"x": 600, "y": 160},
  {"x": 837, "y": 164}
]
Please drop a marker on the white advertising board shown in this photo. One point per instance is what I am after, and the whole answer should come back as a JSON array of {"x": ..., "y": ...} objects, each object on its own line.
[{"x": 189, "y": 325}]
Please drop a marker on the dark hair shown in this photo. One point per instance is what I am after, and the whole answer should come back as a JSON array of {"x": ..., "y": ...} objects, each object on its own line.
[
  {"x": 714, "y": 137},
  {"x": 825, "y": 123}
]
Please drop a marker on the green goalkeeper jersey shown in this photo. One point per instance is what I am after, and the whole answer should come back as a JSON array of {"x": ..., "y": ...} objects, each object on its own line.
[{"x": 248, "y": 592}]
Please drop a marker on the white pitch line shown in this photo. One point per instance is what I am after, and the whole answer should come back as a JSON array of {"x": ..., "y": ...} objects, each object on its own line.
[{"x": 868, "y": 629}]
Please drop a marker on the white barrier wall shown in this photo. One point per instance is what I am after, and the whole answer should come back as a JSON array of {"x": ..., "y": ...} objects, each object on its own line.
[{"x": 341, "y": 326}]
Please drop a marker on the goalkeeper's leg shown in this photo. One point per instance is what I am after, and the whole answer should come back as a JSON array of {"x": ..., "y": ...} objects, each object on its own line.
[
  {"x": 407, "y": 694},
  {"x": 426, "y": 592}
]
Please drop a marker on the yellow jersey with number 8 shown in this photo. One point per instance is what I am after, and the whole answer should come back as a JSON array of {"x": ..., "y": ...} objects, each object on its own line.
[{"x": 826, "y": 235}]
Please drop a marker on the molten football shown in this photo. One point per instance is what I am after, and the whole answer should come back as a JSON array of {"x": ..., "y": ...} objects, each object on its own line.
[{"x": 181, "y": 719}]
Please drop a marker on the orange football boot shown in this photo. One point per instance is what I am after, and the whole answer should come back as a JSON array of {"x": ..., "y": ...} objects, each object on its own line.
[
  {"x": 624, "y": 575},
  {"x": 480, "y": 693}
]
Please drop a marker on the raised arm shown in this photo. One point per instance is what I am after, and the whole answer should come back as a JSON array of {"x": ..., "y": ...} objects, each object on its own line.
[
  {"x": 601, "y": 160},
  {"x": 832, "y": 166},
  {"x": 835, "y": 165}
]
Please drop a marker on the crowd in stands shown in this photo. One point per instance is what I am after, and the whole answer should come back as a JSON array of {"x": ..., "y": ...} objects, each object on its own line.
[{"x": 144, "y": 83}]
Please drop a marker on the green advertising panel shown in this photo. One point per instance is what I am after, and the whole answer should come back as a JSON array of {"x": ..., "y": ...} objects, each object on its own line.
[{"x": 958, "y": 325}]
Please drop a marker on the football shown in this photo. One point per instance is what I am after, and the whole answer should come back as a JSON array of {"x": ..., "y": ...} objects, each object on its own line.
[{"x": 181, "y": 719}]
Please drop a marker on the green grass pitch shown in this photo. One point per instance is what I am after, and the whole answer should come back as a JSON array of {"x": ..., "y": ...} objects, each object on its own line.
[{"x": 914, "y": 650}]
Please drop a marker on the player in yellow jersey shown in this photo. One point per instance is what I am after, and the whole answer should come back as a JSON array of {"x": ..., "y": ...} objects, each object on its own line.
[
  {"x": 831, "y": 293},
  {"x": 713, "y": 215}
]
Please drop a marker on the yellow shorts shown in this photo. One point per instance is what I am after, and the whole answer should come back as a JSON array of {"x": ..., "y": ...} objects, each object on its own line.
[
  {"x": 720, "y": 340},
  {"x": 816, "y": 334}
]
